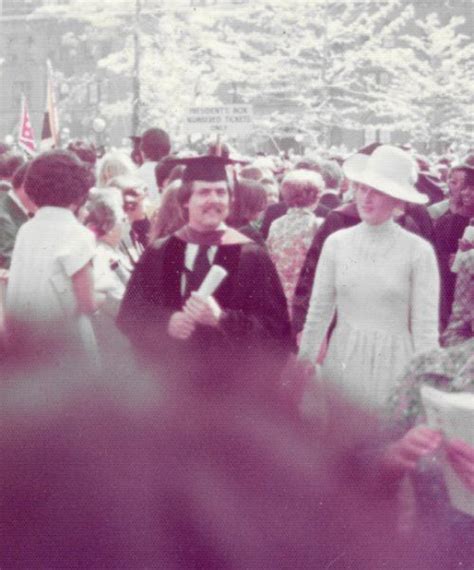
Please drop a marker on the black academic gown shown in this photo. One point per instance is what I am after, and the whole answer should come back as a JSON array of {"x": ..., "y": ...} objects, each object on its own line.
[
  {"x": 448, "y": 230},
  {"x": 255, "y": 320}
]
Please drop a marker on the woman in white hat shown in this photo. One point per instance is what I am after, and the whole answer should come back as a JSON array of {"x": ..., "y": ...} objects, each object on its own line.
[{"x": 382, "y": 280}]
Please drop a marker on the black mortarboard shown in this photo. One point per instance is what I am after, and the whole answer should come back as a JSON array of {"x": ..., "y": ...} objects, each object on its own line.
[{"x": 207, "y": 168}]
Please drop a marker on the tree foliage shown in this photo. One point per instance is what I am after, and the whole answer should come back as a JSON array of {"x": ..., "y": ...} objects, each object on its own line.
[
  {"x": 306, "y": 66},
  {"x": 317, "y": 64},
  {"x": 438, "y": 80}
]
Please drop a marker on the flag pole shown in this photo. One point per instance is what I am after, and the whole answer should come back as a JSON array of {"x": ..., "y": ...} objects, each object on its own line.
[{"x": 50, "y": 130}]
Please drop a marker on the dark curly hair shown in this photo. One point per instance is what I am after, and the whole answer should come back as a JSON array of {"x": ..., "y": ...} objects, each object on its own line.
[
  {"x": 85, "y": 151},
  {"x": 155, "y": 144},
  {"x": 58, "y": 178}
]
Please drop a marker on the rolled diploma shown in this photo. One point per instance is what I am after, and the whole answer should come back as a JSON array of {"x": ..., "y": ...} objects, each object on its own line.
[{"x": 211, "y": 282}]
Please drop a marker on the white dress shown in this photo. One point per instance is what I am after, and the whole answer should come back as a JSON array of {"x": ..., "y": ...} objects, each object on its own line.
[
  {"x": 147, "y": 173},
  {"x": 384, "y": 283}
]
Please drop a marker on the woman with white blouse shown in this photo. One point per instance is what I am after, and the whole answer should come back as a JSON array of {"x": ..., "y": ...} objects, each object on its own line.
[
  {"x": 111, "y": 270},
  {"x": 50, "y": 289},
  {"x": 382, "y": 281}
]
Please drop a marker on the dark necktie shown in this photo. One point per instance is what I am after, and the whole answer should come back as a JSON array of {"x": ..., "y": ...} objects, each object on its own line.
[{"x": 200, "y": 270}]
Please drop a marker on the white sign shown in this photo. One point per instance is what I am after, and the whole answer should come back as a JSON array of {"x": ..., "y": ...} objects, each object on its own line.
[{"x": 229, "y": 119}]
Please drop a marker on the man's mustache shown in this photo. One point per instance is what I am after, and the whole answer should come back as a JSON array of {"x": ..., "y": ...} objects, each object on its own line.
[{"x": 216, "y": 208}]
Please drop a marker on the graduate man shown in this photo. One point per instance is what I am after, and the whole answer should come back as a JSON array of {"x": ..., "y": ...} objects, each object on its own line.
[{"x": 246, "y": 318}]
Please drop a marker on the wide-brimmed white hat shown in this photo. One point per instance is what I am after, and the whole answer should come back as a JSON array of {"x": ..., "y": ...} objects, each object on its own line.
[{"x": 389, "y": 170}]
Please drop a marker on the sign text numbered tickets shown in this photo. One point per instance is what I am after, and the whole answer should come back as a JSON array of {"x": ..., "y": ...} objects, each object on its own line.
[{"x": 229, "y": 119}]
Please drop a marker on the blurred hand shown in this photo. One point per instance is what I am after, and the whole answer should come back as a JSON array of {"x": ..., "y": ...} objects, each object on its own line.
[
  {"x": 307, "y": 369},
  {"x": 461, "y": 457},
  {"x": 180, "y": 326},
  {"x": 296, "y": 377},
  {"x": 203, "y": 311},
  {"x": 403, "y": 455},
  {"x": 297, "y": 368}
]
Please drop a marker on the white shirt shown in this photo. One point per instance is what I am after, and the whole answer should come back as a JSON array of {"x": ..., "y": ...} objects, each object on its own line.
[
  {"x": 191, "y": 252},
  {"x": 106, "y": 280},
  {"x": 190, "y": 257},
  {"x": 49, "y": 250},
  {"x": 147, "y": 173}
]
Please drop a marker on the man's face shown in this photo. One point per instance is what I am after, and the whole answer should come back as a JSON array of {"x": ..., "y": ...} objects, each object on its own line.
[
  {"x": 208, "y": 205},
  {"x": 456, "y": 180}
]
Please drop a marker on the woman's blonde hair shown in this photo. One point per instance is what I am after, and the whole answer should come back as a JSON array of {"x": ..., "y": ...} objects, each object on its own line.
[
  {"x": 112, "y": 164},
  {"x": 128, "y": 182}
]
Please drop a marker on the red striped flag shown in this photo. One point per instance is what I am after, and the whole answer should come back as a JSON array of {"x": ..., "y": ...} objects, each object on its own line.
[
  {"x": 26, "y": 137},
  {"x": 50, "y": 130}
]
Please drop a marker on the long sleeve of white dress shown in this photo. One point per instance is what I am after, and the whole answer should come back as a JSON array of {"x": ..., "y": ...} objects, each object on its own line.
[{"x": 322, "y": 304}]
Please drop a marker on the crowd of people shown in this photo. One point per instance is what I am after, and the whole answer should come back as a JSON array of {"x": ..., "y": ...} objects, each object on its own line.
[{"x": 253, "y": 307}]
